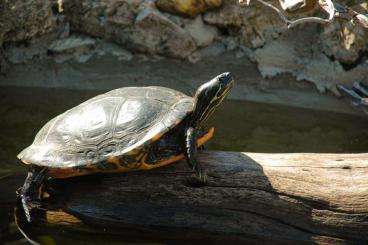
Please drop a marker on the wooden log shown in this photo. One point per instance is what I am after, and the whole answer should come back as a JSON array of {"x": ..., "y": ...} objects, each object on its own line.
[{"x": 249, "y": 198}]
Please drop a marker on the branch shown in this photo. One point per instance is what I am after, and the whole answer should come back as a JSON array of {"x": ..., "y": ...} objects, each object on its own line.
[
  {"x": 249, "y": 198},
  {"x": 331, "y": 8}
]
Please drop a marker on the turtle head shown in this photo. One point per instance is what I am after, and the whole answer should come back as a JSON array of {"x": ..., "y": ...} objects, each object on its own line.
[{"x": 210, "y": 95}]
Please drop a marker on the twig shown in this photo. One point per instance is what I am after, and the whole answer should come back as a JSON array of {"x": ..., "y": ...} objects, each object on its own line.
[{"x": 331, "y": 8}]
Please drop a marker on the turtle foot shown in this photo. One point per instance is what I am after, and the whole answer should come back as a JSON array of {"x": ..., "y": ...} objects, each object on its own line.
[
  {"x": 31, "y": 208},
  {"x": 199, "y": 180},
  {"x": 196, "y": 182}
]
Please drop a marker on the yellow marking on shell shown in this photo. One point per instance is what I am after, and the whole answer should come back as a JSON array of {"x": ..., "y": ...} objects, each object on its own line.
[
  {"x": 146, "y": 166},
  {"x": 114, "y": 160},
  {"x": 134, "y": 151},
  {"x": 60, "y": 173},
  {"x": 61, "y": 217},
  {"x": 45, "y": 195},
  {"x": 176, "y": 158},
  {"x": 133, "y": 165},
  {"x": 156, "y": 137}
]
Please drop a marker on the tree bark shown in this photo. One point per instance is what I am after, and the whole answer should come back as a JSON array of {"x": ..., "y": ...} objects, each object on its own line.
[{"x": 249, "y": 198}]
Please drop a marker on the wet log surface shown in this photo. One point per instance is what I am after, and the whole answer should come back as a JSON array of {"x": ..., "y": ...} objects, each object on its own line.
[{"x": 249, "y": 198}]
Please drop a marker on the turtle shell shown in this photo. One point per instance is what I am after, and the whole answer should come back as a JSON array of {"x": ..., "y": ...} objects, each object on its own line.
[{"x": 108, "y": 125}]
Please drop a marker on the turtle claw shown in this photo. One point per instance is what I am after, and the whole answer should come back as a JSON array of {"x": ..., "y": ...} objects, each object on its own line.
[
  {"x": 30, "y": 207},
  {"x": 199, "y": 180},
  {"x": 201, "y": 175},
  {"x": 19, "y": 191}
]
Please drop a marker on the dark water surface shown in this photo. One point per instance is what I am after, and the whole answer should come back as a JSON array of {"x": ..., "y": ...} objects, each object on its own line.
[{"x": 240, "y": 126}]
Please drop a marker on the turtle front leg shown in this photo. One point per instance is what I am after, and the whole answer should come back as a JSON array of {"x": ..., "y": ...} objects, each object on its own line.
[
  {"x": 191, "y": 153},
  {"x": 30, "y": 193}
]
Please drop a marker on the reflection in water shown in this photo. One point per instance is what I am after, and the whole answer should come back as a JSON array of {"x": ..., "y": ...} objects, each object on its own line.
[
  {"x": 54, "y": 230},
  {"x": 21, "y": 223},
  {"x": 255, "y": 127},
  {"x": 240, "y": 126}
]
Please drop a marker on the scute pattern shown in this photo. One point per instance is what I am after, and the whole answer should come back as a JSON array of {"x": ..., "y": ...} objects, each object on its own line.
[{"x": 107, "y": 125}]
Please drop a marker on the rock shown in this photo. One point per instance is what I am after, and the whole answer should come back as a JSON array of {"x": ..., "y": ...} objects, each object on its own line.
[
  {"x": 4, "y": 65},
  {"x": 72, "y": 43},
  {"x": 115, "y": 50},
  {"x": 318, "y": 54},
  {"x": 188, "y": 8},
  {"x": 230, "y": 43},
  {"x": 202, "y": 34},
  {"x": 155, "y": 33},
  {"x": 285, "y": 56},
  {"x": 83, "y": 57},
  {"x": 275, "y": 58},
  {"x": 79, "y": 47},
  {"x": 107, "y": 19},
  {"x": 253, "y": 25},
  {"x": 22, "y": 20},
  {"x": 63, "y": 28},
  {"x": 345, "y": 42},
  {"x": 239, "y": 53},
  {"x": 136, "y": 25},
  {"x": 361, "y": 19},
  {"x": 292, "y": 5},
  {"x": 18, "y": 53},
  {"x": 215, "y": 49},
  {"x": 297, "y": 51},
  {"x": 21, "y": 23}
]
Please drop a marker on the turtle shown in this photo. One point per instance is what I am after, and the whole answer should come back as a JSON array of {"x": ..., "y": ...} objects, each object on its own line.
[{"x": 129, "y": 128}]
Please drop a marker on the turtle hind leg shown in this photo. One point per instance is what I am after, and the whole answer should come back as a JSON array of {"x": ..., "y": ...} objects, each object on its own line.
[
  {"x": 191, "y": 154},
  {"x": 31, "y": 191}
]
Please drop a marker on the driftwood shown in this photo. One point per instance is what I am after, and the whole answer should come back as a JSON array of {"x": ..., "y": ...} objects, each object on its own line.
[
  {"x": 332, "y": 8},
  {"x": 249, "y": 198}
]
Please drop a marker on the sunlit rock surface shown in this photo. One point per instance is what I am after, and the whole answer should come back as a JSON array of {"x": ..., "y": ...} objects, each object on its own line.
[
  {"x": 21, "y": 20},
  {"x": 138, "y": 25},
  {"x": 324, "y": 55},
  {"x": 253, "y": 25},
  {"x": 290, "y": 54},
  {"x": 345, "y": 42},
  {"x": 202, "y": 33},
  {"x": 190, "y": 8}
]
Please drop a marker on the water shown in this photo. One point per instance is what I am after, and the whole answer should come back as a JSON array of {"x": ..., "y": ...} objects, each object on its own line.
[
  {"x": 240, "y": 126},
  {"x": 255, "y": 127}
]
